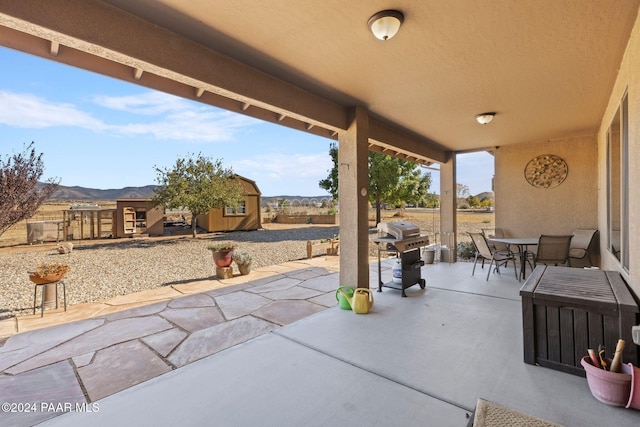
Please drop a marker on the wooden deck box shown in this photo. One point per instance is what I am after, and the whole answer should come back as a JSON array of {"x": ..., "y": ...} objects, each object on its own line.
[{"x": 565, "y": 311}]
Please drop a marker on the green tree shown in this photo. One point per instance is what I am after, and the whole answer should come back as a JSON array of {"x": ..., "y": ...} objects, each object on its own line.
[
  {"x": 391, "y": 180},
  {"x": 197, "y": 184},
  {"x": 473, "y": 201},
  {"x": 20, "y": 193},
  {"x": 430, "y": 200},
  {"x": 486, "y": 202}
]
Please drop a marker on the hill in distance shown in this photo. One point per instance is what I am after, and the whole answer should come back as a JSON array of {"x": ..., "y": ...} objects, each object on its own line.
[
  {"x": 64, "y": 193},
  {"x": 82, "y": 193}
]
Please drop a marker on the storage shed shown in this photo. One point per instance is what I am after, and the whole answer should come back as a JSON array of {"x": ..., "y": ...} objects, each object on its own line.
[
  {"x": 135, "y": 217},
  {"x": 245, "y": 217}
]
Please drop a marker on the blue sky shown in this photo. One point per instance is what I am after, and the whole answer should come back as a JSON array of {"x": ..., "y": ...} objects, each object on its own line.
[{"x": 98, "y": 132}]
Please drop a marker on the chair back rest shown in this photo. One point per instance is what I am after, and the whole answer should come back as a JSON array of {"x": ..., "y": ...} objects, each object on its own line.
[
  {"x": 554, "y": 248},
  {"x": 498, "y": 233},
  {"x": 481, "y": 245},
  {"x": 582, "y": 238}
]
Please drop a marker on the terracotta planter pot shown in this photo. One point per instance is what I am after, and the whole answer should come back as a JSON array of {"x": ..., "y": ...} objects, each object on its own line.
[
  {"x": 222, "y": 258},
  {"x": 49, "y": 278},
  {"x": 49, "y": 291}
]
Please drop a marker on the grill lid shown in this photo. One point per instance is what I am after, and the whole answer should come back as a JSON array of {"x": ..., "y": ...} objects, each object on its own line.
[{"x": 399, "y": 230}]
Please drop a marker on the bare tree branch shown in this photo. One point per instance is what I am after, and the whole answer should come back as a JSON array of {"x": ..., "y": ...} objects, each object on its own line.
[{"x": 20, "y": 192}]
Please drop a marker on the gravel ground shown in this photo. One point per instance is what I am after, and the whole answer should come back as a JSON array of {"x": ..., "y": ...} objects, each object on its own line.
[{"x": 100, "y": 271}]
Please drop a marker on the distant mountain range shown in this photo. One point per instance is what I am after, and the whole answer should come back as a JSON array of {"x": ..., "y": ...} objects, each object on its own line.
[
  {"x": 64, "y": 193},
  {"x": 82, "y": 193},
  {"x": 92, "y": 194}
]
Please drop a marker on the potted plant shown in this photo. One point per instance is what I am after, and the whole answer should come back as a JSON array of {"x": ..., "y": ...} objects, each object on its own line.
[
  {"x": 243, "y": 260},
  {"x": 49, "y": 273},
  {"x": 222, "y": 253}
]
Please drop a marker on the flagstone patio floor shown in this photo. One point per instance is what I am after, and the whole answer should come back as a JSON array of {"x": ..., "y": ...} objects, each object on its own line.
[{"x": 94, "y": 350}]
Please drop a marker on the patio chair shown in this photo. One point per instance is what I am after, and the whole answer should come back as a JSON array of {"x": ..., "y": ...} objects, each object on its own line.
[
  {"x": 514, "y": 249},
  {"x": 581, "y": 245},
  {"x": 483, "y": 251},
  {"x": 497, "y": 233},
  {"x": 553, "y": 250}
]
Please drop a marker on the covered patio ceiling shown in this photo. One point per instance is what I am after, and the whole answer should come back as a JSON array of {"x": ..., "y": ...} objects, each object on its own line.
[{"x": 545, "y": 67}]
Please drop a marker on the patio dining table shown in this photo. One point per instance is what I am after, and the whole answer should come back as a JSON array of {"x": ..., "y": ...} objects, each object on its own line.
[{"x": 522, "y": 243}]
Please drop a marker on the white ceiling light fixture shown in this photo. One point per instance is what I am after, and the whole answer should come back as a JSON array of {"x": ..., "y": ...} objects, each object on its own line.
[
  {"x": 386, "y": 24},
  {"x": 485, "y": 118}
]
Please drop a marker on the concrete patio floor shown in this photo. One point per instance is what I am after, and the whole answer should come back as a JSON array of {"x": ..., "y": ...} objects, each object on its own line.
[{"x": 249, "y": 354}]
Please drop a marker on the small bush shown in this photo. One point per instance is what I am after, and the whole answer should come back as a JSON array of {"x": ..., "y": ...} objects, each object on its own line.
[{"x": 466, "y": 250}]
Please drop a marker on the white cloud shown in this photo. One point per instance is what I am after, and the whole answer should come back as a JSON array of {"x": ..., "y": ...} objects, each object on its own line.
[
  {"x": 30, "y": 111},
  {"x": 173, "y": 118},
  {"x": 279, "y": 174},
  {"x": 283, "y": 167},
  {"x": 148, "y": 103},
  {"x": 178, "y": 119},
  {"x": 190, "y": 126}
]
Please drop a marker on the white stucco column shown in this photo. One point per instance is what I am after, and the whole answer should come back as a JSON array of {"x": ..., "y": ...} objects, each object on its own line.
[
  {"x": 353, "y": 188},
  {"x": 448, "y": 203}
]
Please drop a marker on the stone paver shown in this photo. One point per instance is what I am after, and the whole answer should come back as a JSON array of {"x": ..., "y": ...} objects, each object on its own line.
[
  {"x": 163, "y": 293},
  {"x": 296, "y": 292},
  {"x": 141, "y": 311},
  {"x": 307, "y": 273},
  {"x": 240, "y": 304},
  {"x": 127, "y": 364},
  {"x": 50, "y": 385},
  {"x": 285, "y": 312},
  {"x": 212, "y": 340},
  {"x": 193, "y": 319},
  {"x": 21, "y": 347},
  {"x": 267, "y": 279},
  {"x": 83, "y": 359},
  {"x": 197, "y": 300},
  {"x": 96, "y": 339},
  {"x": 328, "y": 300},
  {"x": 327, "y": 283},
  {"x": 277, "y": 285},
  {"x": 164, "y": 342}
]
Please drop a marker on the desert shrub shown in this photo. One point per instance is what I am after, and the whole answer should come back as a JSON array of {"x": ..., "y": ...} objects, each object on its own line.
[{"x": 466, "y": 250}]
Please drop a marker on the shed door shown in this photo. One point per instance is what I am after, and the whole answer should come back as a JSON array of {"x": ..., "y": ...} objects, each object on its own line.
[{"x": 129, "y": 215}]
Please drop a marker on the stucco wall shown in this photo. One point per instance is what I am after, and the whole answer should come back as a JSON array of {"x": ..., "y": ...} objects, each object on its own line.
[
  {"x": 628, "y": 80},
  {"x": 526, "y": 211}
]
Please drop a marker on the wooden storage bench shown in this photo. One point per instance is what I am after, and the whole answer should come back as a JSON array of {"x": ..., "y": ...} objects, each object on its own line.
[{"x": 565, "y": 311}]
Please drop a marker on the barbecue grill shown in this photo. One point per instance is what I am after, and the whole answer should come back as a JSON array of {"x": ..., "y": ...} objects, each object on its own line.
[{"x": 405, "y": 240}]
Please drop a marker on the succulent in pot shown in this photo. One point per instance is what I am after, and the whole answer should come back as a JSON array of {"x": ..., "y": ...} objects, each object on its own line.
[
  {"x": 243, "y": 260},
  {"x": 49, "y": 272},
  {"x": 222, "y": 253}
]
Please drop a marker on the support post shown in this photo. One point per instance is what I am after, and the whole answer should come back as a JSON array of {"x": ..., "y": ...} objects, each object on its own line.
[
  {"x": 448, "y": 204},
  {"x": 353, "y": 189}
]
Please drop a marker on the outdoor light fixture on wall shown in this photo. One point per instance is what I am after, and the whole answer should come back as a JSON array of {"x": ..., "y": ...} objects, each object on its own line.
[
  {"x": 386, "y": 24},
  {"x": 485, "y": 118}
]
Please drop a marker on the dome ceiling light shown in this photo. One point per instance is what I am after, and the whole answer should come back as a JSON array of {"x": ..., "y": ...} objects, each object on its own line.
[
  {"x": 384, "y": 25},
  {"x": 485, "y": 118}
]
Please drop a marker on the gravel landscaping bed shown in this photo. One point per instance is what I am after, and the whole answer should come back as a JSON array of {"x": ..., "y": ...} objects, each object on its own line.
[{"x": 100, "y": 271}]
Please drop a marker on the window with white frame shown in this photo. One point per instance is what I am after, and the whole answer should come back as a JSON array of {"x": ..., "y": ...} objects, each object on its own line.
[
  {"x": 618, "y": 184},
  {"x": 241, "y": 209}
]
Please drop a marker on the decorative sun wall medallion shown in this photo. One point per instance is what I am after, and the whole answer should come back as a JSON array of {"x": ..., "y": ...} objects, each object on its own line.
[{"x": 546, "y": 171}]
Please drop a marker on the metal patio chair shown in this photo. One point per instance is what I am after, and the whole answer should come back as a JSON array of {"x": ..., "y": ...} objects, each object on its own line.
[
  {"x": 553, "y": 250},
  {"x": 494, "y": 256},
  {"x": 581, "y": 245}
]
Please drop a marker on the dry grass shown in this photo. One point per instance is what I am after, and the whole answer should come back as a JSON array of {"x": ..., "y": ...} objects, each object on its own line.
[
  {"x": 426, "y": 219},
  {"x": 429, "y": 221}
]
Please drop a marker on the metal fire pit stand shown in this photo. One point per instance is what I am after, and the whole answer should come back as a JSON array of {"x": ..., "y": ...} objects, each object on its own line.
[{"x": 410, "y": 262}]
